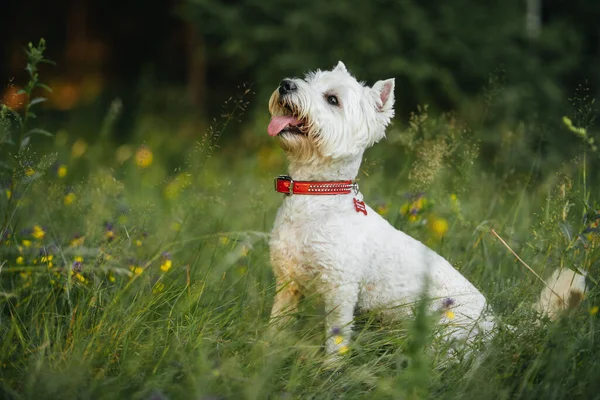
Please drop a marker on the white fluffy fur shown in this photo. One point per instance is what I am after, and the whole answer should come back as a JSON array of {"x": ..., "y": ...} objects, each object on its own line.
[
  {"x": 564, "y": 289},
  {"x": 322, "y": 245}
]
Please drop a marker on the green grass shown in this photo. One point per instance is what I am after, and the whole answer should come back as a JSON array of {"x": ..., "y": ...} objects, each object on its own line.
[{"x": 149, "y": 278}]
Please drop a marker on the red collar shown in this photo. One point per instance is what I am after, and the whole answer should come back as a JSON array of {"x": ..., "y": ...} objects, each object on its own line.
[{"x": 285, "y": 184}]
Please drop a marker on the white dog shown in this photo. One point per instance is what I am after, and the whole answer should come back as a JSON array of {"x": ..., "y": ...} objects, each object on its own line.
[{"x": 325, "y": 239}]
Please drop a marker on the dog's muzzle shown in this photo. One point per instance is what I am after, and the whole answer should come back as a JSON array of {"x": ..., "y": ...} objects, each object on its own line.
[{"x": 287, "y": 86}]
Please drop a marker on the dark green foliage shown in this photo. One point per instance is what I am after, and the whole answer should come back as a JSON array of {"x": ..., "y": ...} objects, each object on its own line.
[{"x": 438, "y": 53}]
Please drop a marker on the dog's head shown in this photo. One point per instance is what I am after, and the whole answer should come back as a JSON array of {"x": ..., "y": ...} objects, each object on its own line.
[{"x": 330, "y": 114}]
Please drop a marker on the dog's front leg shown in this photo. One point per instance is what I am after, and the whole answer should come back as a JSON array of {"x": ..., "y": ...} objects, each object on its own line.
[
  {"x": 286, "y": 303},
  {"x": 339, "y": 309}
]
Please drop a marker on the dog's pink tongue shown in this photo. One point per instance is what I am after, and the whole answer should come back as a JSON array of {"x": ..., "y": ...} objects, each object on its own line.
[{"x": 277, "y": 124}]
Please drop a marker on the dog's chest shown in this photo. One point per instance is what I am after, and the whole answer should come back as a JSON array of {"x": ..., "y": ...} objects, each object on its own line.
[{"x": 302, "y": 236}]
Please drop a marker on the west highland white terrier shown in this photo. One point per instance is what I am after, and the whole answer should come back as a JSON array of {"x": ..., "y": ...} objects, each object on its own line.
[{"x": 326, "y": 240}]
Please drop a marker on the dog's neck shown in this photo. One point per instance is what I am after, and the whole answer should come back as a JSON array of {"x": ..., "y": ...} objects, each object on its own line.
[{"x": 325, "y": 169}]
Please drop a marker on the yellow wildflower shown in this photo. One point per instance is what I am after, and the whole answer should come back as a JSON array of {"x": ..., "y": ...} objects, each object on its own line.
[
  {"x": 20, "y": 260},
  {"x": 77, "y": 241},
  {"x": 38, "y": 232},
  {"x": 109, "y": 235},
  {"x": 8, "y": 193},
  {"x": 136, "y": 270},
  {"x": 413, "y": 209},
  {"x": 138, "y": 243},
  {"x": 454, "y": 198},
  {"x": 29, "y": 171},
  {"x": 143, "y": 157},
  {"x": 61, "y": 172},
  {"x": 26, "y": 243},
  {"x": 47, "y": 260},
  {"x": 450, "y": 314},
  {"x": 79, "y": 259},
  {"x": 69, "y": 198},
  {"x": 338, "y": 339},
  {"x": 439, "y": 226},
  {"x": 81, "y": 278},
  {"x": 166, "y": 266},
  {"x": 419, "y": 203},
  {"x": 594, "y": 310},
  {"x": 343, "y": 349}
]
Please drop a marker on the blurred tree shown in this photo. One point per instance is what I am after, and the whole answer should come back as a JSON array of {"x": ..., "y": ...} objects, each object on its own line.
[
  {"x": 439, "y": 52},
  {"x": 533, "y": 23}
]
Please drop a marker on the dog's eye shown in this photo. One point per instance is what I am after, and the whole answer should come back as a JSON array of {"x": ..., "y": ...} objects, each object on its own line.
[{"x": 333, "y": 100}]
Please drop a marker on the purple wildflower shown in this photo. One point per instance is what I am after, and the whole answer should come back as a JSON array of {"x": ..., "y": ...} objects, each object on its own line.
[
  {"x": 448, "y": 302},
  {"x": 77, "y": 266}
]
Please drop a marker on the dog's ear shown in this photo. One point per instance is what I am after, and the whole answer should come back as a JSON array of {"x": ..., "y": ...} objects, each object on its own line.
[
  {"x": 384, "y": 91},
  {"x": 340, "y": 67},
  {"x": 383, "y": 96}
]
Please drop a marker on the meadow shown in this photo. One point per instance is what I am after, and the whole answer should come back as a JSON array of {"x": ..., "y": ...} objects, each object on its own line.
[{"x": 139, "y": 268}]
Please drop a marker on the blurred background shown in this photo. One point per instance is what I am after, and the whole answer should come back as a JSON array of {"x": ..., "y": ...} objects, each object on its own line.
[
  {"x": 136, "y": 207},
  {"x": 496, "y": 64}
]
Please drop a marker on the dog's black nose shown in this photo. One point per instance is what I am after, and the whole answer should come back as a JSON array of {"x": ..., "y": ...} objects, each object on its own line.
[{"x": 286, "y": 86}]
